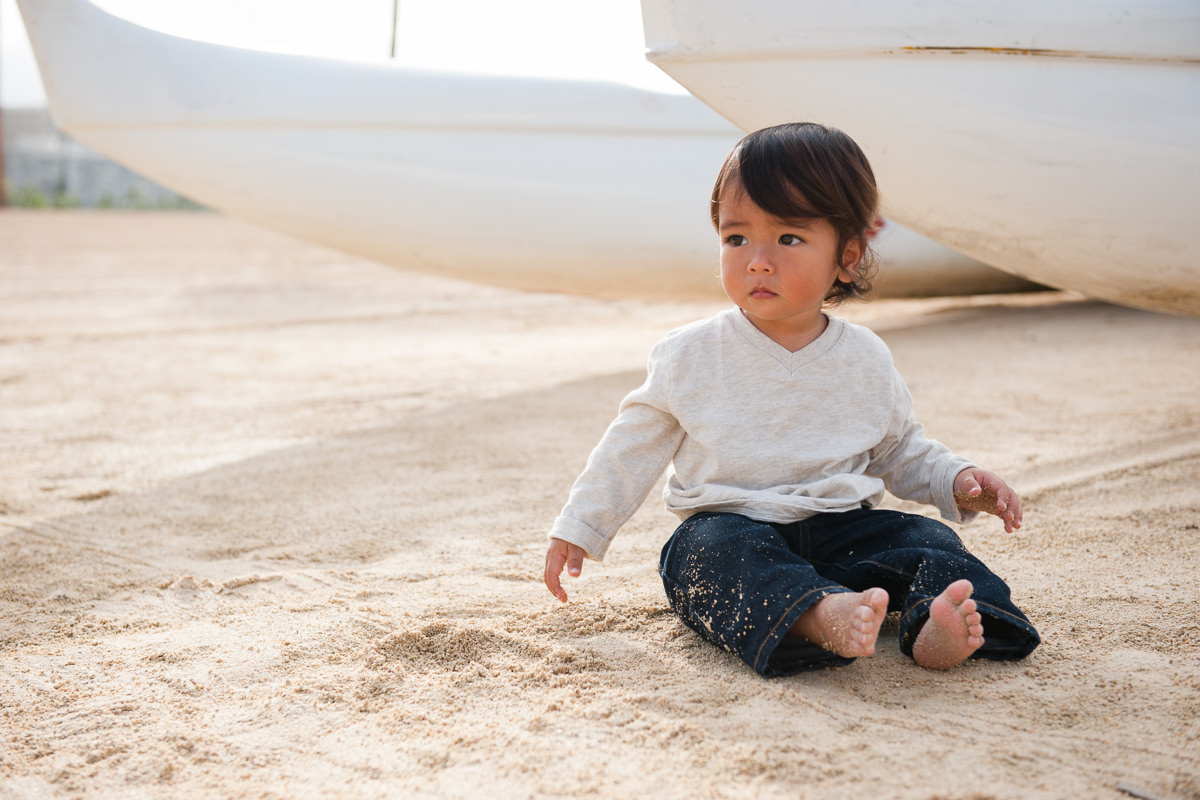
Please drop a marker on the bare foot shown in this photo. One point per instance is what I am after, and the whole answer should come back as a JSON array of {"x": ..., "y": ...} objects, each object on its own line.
[
  {"x": 953, "y": 631},
  {"x": 846, "y": 623}
]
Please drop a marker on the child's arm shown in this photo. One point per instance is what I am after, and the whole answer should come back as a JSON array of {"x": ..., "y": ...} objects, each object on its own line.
[
  {"x": 979, "y": 490},
  {"x": 558, "y": 554}
]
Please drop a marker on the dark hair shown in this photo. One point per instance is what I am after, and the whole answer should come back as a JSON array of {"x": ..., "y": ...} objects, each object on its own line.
[{"x": 809, "y": 171}]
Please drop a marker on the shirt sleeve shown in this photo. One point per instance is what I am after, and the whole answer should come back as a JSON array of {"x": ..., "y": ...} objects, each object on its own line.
[
  {"x": 624, "y": 466},
  {"x": 912, "y": 465}
]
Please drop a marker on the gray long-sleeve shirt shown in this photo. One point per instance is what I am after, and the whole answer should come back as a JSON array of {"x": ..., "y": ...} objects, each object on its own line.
[{"x": 755, "y": 429}]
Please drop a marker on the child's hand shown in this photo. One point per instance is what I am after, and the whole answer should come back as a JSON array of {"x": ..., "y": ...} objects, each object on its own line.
[
  {"x": 979, "y": 490},
  {"x": 558, "y": 554}
]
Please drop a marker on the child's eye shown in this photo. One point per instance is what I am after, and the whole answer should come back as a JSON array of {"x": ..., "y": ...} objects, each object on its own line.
[
  {"x": 790, "y": 239},
  {"x": 735, "y": 240}
]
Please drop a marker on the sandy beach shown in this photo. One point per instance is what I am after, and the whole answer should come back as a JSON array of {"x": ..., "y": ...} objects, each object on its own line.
[{"x": 272, "y": 521}]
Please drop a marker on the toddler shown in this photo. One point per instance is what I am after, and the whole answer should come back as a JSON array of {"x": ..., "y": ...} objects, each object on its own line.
[{"x": 784, "y": 426}]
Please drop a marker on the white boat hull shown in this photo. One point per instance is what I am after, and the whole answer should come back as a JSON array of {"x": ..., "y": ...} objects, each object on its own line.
[
  {"x": 534, "y": 184},
  {"x": 1056, "y": 141}
]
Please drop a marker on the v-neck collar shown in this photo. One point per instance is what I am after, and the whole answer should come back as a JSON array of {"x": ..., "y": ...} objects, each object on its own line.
[{"x": 786, "y": 358}]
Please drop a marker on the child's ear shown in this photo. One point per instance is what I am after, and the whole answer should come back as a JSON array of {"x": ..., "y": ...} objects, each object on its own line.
[{"x": 851, "y": 257}]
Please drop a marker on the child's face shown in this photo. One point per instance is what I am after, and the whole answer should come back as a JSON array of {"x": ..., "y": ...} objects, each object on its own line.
[{"x": 778, "y": 271}]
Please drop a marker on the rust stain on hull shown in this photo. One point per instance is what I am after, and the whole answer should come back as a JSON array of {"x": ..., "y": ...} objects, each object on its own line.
[{"x": 1031, "y": 51}]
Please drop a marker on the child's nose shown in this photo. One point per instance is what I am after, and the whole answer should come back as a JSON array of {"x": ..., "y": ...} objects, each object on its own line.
[{"x": 760, "y": 262}]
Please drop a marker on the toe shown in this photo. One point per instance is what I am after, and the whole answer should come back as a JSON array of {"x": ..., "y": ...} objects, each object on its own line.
[{"x": 959, "y": 591}]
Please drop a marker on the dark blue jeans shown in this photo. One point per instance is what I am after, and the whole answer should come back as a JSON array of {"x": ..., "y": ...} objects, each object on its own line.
[{"x": 742, "y": 584}]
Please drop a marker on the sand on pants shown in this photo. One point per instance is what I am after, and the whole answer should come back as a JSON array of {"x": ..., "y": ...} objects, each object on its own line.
[{"x": 272, "y": 524}]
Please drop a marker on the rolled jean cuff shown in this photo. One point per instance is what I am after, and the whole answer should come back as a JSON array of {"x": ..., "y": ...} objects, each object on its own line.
[
  {"x": 777, "y": 654},
  {"x": 1006, "y": 636}
]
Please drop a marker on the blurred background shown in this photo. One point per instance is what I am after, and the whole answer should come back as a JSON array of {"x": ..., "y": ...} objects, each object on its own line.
[{"x": 581, "y": 40}]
